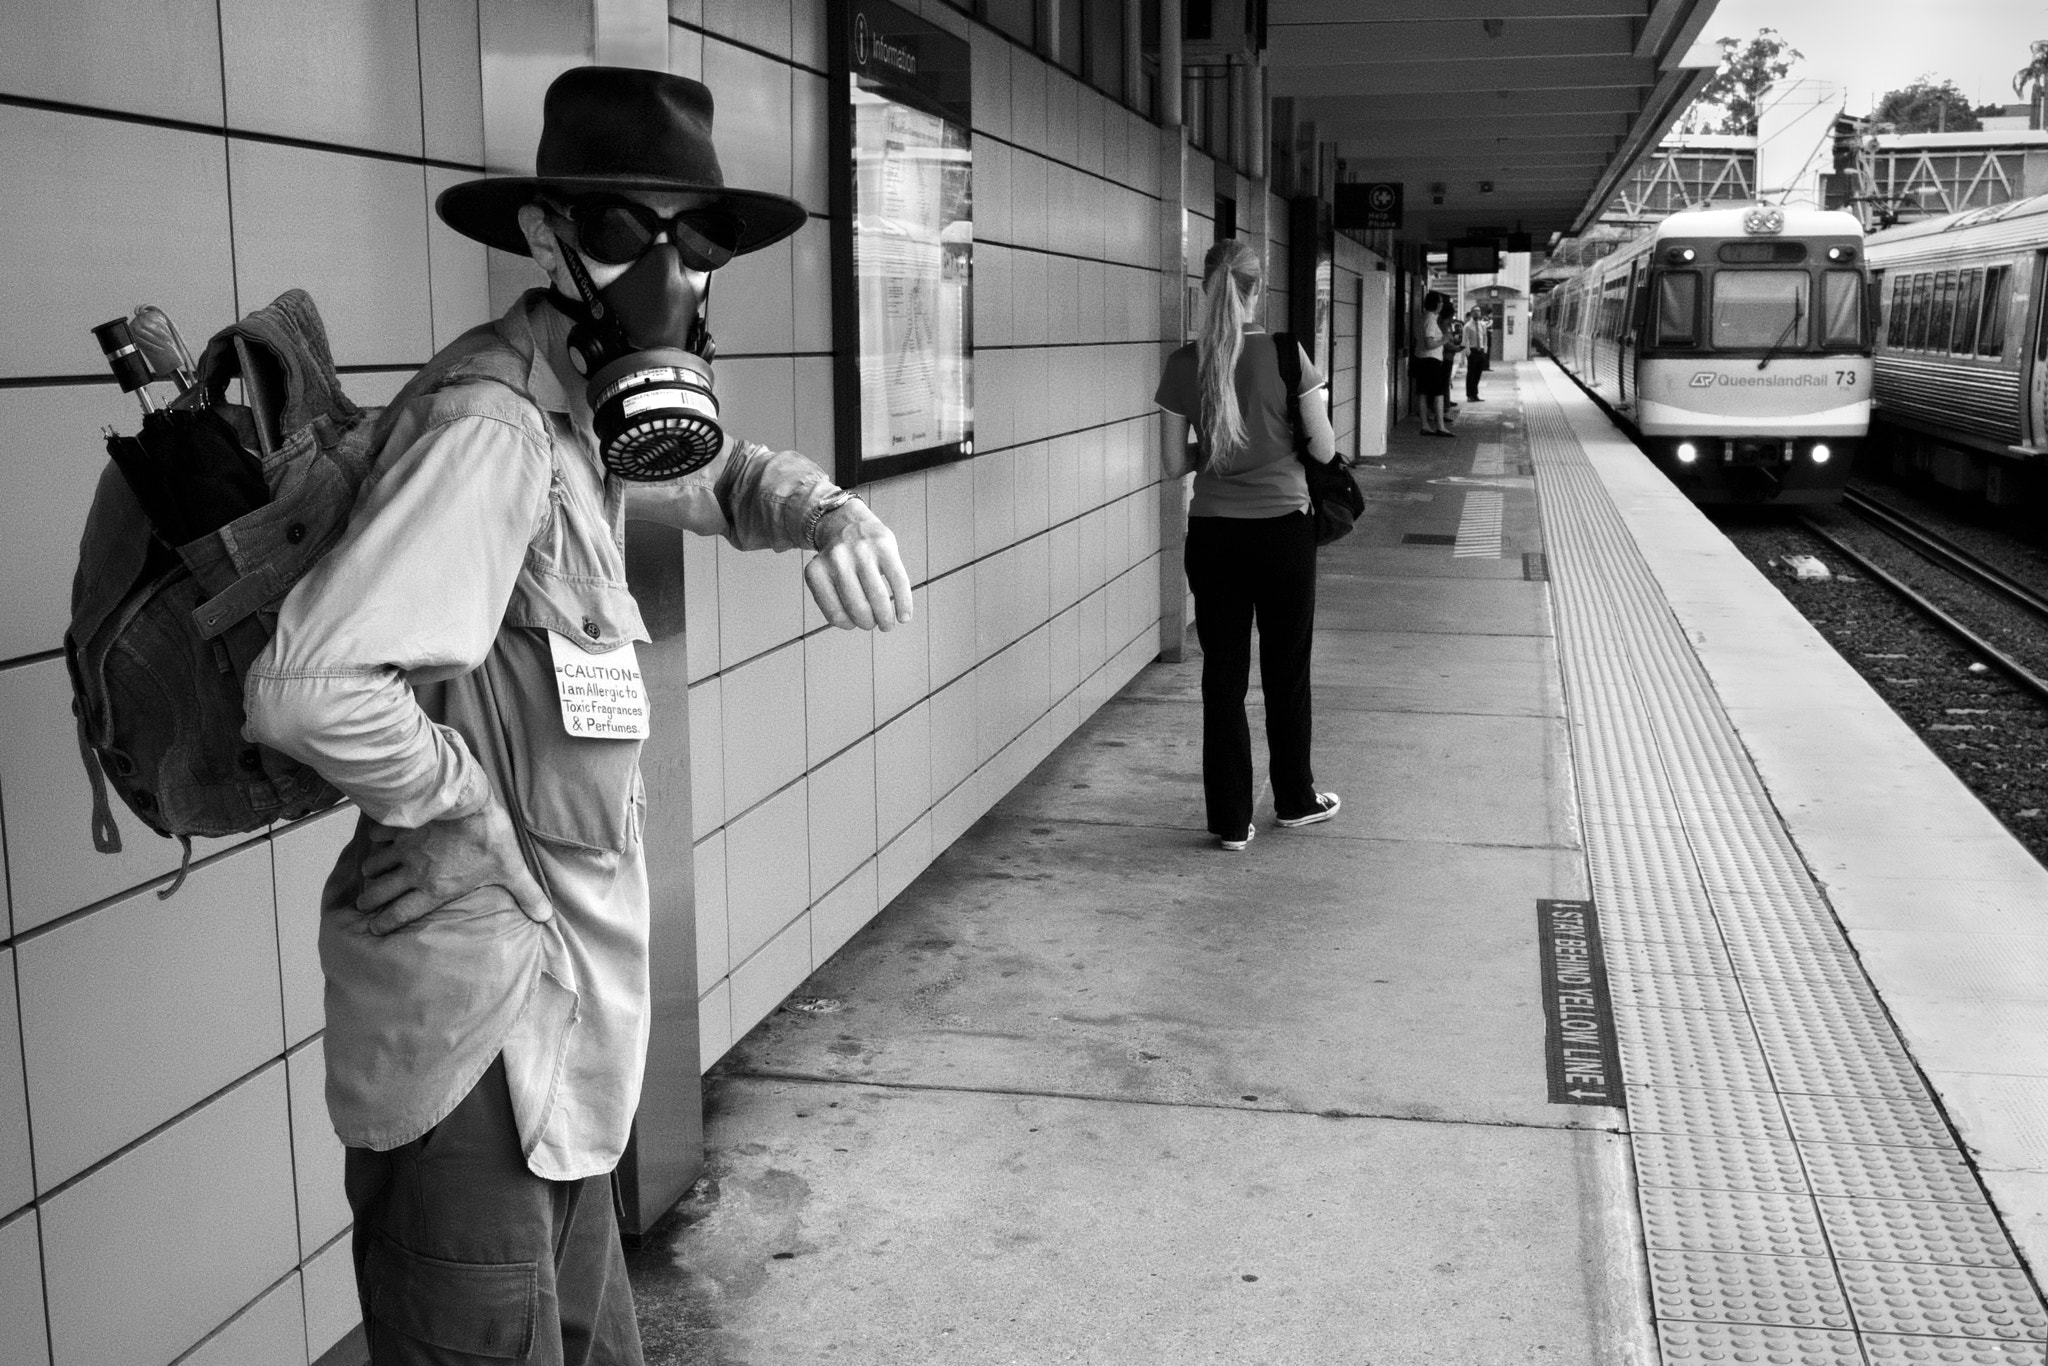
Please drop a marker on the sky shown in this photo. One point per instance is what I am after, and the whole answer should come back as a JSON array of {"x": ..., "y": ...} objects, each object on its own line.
[{"x": 1870, "y": 46}]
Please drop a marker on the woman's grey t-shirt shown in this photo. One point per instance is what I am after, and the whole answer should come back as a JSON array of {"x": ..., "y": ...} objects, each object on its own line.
[{"x": 1263, "y": 478}]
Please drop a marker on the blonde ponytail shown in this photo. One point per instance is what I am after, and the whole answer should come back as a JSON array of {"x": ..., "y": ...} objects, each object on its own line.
[{"x": 1231, "y": 276}]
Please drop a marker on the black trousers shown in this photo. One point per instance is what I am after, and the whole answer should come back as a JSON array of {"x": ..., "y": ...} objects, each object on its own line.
[
  {"x": 1472, "y": 374},
  {"x": 1245, "y": 570},
  {"x": 463, "y": 1256}
]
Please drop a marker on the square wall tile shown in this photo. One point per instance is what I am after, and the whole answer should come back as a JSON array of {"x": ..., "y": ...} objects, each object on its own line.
[
  {"x": 951, "y": 625},
  {"x": 17, "y": 1175},
  {"x": 685, "y": 52},
  {"x": 811, "y": 286},
  {"x": 765, "y": 27},
  {"x": 1064, "y": 654},
  {"x": 332, "y": 1309},
  {"x": 992, "y": 301},
  {"x": 839, "y": 690},
  {"x": 953, "y": 737},
  {"x": 990, "y": 79},
  {"x": 903, "y": 774},
  {"x": 458, "y": 268},
  {"x": 364, "y": 264},
  {"x": 949, "y": 517},
  {"x": 714, "y": 1025},
  {"x": 751, "y": 308},
  {"x": 751, "y": 92},
  {"x": 347, "y": 74},
  {"x": 995, "y": 502},
  {"x": 1029, "y": 181},
  {"x": 24, "y": 1332},
  {"x": 810, "y": 141},
  {"x": 764, "y": 981},
  {"x": 816, "y": 423},
  {"x": 160, "y": 59},
  {"x": 991, "y": 190},
  {"x": 268, "y": 1332},
  {"x": 761, "y": 598},
  {"x": 767, "y": 879},
  {"x": 124, "y": 1283},
  {"x": 840, "y": 916},
  {"x": 707, "y": 757},
  {"x": 842, "y": 816},
  {"x": 700, "y": 605},
  {"x": 94, "y": 256},
  {"x": 764, "y": 723},
  {"x": 302, "y": 857},
  {"x": 1034, "y": 489},
  {"x": 902, "y": 859},
  {"x": 1030, "y": 307},
  {"x": 903, "y": 663},
  {"x": 807, "y": 34},
  {"x": 452, "y": 80},
  {"x": 708, "y": 860},
  {"x": 1027, "y": 98},
  {"x": 140, "y": 1010},
  {"x": 316, "y": 1152},
  {"x": 757, "y": 399}
]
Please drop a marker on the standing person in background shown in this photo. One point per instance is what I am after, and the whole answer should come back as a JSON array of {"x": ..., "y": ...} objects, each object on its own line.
[
  {"x": 1477, "y": 362},
  {"x": 1251, "y": 545},
  {"x": 1454, "y": 345},
  {"x": 1426, "y": 364}
]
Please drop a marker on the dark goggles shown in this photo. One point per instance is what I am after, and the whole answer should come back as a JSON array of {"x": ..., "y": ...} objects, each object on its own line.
[{"x": 617, "y": 232}]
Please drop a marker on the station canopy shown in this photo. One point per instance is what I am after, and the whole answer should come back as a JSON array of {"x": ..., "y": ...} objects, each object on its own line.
[{"x": 1550, "y": 103}]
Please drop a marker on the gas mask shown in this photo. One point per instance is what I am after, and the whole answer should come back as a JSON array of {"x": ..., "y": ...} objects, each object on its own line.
[{"x": 643, "y": 345}]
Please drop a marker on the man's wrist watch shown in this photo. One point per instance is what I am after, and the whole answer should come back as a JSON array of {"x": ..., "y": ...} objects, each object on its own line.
[{"x": 827, "y": 505}]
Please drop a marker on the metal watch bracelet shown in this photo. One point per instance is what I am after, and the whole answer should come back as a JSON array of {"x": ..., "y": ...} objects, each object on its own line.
[{"x": 830, "y": 504}]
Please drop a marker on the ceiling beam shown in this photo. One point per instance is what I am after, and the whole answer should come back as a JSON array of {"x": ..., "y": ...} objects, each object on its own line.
[
  {"x": 1281, "y": 13},
  {"x": 1455, "y": 77},
  {"x": 1470, "y": 40},
  {"x": 1377, "y": 110}
]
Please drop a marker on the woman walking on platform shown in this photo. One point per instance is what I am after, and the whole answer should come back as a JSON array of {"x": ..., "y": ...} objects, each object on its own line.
[{"x": 1251, "y": 545}]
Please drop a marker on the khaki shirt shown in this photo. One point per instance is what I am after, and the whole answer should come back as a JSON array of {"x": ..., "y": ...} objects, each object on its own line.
[{"x": 412, "y": 668}]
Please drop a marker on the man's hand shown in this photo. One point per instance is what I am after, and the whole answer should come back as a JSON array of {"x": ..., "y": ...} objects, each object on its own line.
[
  {"x": 857, "y": 576},
  {"x": 410, "y": 872}
]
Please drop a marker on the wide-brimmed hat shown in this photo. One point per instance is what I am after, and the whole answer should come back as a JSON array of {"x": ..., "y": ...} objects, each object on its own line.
[{"x": 615, "y": 129}]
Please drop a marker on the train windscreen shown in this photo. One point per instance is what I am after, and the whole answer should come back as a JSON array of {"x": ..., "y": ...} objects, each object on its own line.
[
  {"x": 1760, "y": 308},
  {"x": 1678, "y": 309},
  {"x": 1842, "y": 308}
]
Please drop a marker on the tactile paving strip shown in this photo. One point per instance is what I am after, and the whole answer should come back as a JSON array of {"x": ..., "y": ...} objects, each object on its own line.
[{"x": 1803, "y": 1200}]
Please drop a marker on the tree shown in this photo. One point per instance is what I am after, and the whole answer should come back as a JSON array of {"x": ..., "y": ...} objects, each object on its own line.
[
  {"x": 2031, "y": 79},
  {"x": 1924, "y": 107},
  {"x": 1728, "y": 102}
]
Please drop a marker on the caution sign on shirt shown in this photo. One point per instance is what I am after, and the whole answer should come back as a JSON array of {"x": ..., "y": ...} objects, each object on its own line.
[{"x": 602, "y": 696}]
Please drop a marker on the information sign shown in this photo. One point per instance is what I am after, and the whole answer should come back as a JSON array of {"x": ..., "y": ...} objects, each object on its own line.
[{"x": 902, "y": 242}]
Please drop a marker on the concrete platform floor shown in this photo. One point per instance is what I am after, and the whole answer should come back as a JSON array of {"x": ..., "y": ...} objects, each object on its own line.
[{"x": 1093, "y": 1090}]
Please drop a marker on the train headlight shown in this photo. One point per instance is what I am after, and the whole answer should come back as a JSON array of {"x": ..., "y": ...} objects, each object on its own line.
[
  {"x": 1687, "y": 452},
  {"x": 1841, "y": 253},
  {"x": 1821, "y": 452}
]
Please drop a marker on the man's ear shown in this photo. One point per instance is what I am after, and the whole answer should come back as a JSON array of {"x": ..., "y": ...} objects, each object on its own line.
[{"x": 540, "y": 239}]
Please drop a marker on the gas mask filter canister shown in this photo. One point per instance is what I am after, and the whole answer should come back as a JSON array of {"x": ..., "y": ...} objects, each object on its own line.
[{"x": 646, "y": 352}]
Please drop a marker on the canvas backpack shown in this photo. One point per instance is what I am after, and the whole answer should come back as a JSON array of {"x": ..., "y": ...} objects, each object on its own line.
[{"x": 162, "y": 637}]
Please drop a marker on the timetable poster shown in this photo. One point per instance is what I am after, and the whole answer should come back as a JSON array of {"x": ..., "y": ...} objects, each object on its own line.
[
  {"x": 902, "y": 242},
  {"x": 913, "y": 243}
]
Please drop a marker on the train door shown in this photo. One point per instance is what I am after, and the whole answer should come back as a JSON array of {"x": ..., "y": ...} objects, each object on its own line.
[
  {"x": 1625, "y": 344},
  {"x": 2037, "y": 357}
]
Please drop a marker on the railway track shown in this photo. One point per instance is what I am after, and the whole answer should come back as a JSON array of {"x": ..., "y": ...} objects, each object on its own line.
[{"x": 1939, "y": 551}]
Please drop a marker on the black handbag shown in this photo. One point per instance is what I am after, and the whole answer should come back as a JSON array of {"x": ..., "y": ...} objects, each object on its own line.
[{"x": 1333, "y": 495}]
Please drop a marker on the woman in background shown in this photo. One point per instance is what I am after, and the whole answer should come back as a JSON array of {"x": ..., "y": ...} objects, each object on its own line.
[
  {"x": 1251, "y": 544},
  {"x": 1426, "y": 364}
]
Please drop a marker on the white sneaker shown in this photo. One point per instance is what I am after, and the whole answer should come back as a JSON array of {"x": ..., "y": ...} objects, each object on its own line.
[
  {"x": 1238, "y": 846},
  {"x": 1327, "y": 805}
]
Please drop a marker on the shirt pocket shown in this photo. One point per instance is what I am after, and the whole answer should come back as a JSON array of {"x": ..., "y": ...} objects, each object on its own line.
[{"x": 573, "y": 790}]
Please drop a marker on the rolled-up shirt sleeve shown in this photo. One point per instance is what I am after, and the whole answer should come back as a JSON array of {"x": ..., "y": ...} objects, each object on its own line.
[
  {"x": 754, "y": 497},
  {"x": 413, "y": 593}
]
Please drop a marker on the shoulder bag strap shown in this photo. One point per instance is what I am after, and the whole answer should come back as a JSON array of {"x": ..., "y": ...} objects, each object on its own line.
[{"x": 1289, "y": 356}]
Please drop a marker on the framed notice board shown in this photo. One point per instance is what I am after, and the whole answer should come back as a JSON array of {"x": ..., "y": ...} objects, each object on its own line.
[{"x": 902, "y": 242}]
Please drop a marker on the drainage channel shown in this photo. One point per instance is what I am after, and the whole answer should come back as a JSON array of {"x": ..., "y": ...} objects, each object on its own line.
[{"x": 1803, "y": 1200}]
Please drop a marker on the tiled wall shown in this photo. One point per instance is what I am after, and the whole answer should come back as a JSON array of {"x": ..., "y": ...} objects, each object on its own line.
[
  {"x": 169, "y": 1184},
  {"x": 830, "y": 768}
]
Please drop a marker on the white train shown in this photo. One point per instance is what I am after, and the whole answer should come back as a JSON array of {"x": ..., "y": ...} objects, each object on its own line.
[
  {"x": 1962, "y": 349},
  {"x": 1735, "y": 343}
]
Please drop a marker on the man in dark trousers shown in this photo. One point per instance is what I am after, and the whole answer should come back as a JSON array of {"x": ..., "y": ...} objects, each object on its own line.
[{"x": 462, "y": 666}]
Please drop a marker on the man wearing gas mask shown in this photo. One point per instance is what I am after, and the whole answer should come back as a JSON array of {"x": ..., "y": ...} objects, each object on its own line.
[{"x": 461, "y": 664}]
